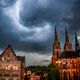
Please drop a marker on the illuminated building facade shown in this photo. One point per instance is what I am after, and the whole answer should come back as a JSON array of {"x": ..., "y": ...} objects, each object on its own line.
[
  {"x": 11, "y": 66},
  {"x": 68, "y": 60}
]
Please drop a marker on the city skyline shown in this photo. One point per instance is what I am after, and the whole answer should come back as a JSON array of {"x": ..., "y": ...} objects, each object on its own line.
[{"x": 28, "y": 26}]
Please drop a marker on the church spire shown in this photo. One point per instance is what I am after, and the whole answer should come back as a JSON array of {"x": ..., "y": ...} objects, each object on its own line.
[
  {"x": 56, "y": 44},
  {"x": 56, "y": 36},
  {"x": 66, "y": 36},
  {"x": 56, "y": 47},
  {"x": 68, "y": 45},
  {"x": 76, "y": 42}
]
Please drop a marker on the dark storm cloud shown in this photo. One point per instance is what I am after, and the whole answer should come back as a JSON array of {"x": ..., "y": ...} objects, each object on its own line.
[
  {"x": 34, "y": 47},
  {"x": 25, "y": 26},
  {"x": 36, "y": 12},
  {"x": 75, "y": 22},
  {"x": 6, "y": 34}
]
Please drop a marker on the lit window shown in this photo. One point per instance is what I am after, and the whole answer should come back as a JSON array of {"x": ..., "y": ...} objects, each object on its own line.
[{"x": 2, "y": 58}]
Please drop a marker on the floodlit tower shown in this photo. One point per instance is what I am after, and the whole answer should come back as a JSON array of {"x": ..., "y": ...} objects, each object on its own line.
[{"x": 56, "y": 47}]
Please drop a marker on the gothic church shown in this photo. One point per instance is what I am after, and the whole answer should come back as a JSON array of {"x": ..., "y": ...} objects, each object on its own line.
[{"x": 68, "y": 60}]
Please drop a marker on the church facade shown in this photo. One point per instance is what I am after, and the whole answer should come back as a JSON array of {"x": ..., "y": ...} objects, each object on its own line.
[
  {"x": 68, "y": 60},
  {"x": 11, "y": 66}
]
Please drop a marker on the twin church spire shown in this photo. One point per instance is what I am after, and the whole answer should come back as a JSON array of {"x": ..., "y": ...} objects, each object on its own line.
[{"x": 67, "y": 45}]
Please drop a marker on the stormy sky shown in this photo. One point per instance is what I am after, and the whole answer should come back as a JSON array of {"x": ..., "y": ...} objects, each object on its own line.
[{"x": 28, "y": 26}]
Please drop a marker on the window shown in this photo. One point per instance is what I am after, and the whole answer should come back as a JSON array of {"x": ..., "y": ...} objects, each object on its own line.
[{"x": 2, "y": 58}]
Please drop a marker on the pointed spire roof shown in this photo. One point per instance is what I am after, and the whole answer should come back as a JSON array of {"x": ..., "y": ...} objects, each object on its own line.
[
  {"x": 56, "y": 43},
  {"x": 76, "y": 41},
  {"x": 55, "y": 36},
  {"x": 66, "y": 36},
  {"x": 68, "y": 45}
]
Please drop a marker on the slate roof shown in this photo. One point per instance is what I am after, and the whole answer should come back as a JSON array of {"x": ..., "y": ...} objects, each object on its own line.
[
  {"x": 22, "y": 58},
  {"x": 71, "y": 54}
]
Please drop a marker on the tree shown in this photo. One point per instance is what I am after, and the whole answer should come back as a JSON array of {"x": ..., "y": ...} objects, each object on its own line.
[
  {"x": 53, "y": 72},
  {"x": 26, "y": 78}
]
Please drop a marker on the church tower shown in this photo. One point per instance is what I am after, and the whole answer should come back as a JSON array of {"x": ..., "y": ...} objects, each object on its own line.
[
  {"x": 76, "y": 42},
  {"x": 56, "y": 47},
  {"x": 68, "y": 45}
]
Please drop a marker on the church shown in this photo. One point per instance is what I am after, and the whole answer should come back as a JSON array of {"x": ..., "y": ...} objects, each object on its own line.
[
  {"x": 11, "y": 66},
  {"x": 68, "y": 59}
]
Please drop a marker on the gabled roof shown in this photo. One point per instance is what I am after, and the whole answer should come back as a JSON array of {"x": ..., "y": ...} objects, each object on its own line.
[
  {"x": 10, "y": 48},
  {"x": 17, "y": 57}
]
